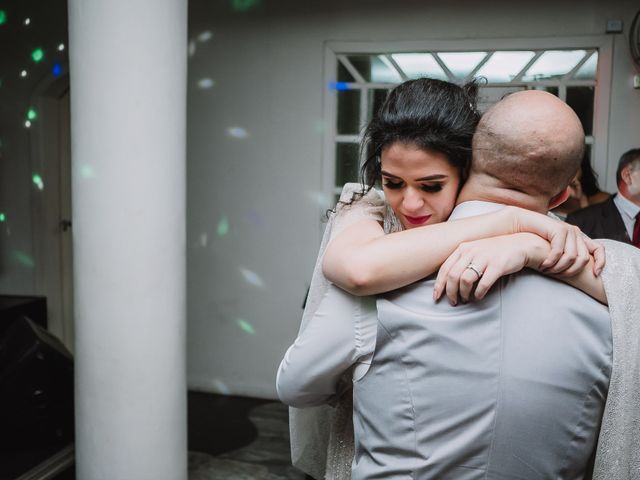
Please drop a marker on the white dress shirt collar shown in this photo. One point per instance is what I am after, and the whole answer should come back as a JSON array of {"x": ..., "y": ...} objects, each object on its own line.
[
  {"x": 473, "y": 208},
  {"x": 628, "y": 211}
]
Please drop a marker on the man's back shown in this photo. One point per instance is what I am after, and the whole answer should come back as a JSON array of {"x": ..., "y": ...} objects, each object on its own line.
[{"x": 510, "y": 387}]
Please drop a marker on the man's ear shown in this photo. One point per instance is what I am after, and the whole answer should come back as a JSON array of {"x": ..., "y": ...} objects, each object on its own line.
[
  {"x": 625, "y": 174},
  {"x": 560, "y": 198}
]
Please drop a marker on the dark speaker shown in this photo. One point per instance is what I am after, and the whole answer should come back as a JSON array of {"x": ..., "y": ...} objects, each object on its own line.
[{"x": 36, "y": 387}]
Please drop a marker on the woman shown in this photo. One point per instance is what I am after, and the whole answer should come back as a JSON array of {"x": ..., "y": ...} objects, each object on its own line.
[
  {"x": 421, "y": 144},
  {"x": 584, "y": 191}
]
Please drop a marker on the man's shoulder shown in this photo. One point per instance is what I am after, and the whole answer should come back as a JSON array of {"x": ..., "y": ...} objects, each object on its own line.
[{"x": 531, "y": 293}]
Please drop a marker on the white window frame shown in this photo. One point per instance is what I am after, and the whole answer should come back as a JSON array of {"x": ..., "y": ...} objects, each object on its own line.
[{"x": 603, "y": 44}]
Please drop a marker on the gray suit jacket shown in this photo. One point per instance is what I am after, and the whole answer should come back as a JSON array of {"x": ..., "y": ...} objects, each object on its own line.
[{"x": 513, "y": 386}]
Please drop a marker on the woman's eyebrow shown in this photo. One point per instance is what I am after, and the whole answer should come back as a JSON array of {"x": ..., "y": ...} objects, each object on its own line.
[
  {"x": 387, "y": 174},
  {"x": 432, "y": 177},
  {"x": 437, "y": 176}
]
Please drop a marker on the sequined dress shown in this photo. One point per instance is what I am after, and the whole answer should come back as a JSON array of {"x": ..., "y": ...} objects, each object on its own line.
[{"x": 322, "y": 437}]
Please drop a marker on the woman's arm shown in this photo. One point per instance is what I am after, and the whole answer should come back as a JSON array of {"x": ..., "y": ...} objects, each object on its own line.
[
  {"x": 499, "y": 256},
  {"x": 363, "y": 260}
]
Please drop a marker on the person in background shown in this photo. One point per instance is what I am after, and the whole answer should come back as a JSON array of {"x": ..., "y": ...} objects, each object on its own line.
[
  {"x": 618, "y": 218},
  {"x": 583, "y": 190}
]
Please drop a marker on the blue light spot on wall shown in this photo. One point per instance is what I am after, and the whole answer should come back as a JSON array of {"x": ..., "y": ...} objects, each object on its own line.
[
  {"x": 338, "y": 86},
  {"x": 56, "y": 70}
]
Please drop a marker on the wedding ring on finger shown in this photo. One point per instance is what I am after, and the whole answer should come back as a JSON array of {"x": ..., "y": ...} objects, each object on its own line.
[{"x": 476, "y": 269}]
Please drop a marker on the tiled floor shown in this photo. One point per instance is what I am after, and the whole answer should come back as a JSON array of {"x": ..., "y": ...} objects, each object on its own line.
[{"x": 238, "y": 438}]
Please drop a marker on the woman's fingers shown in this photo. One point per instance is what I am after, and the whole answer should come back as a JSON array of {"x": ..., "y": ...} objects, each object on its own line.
[
  {"x": 569, "y": 255},
  {"x": 489, "y": 277},
  {"x": 467, "y": 280},
  {"x": 441, "y": 278},
  {"x": 453, "y": 279},
  {"x": 558, "y": 240},
  {"x": 596, "y": 249},
  {"x": 582, "y": 258}
]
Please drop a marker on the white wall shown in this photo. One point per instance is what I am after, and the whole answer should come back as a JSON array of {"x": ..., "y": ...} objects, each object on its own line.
[{"x": 267, "y": 64}]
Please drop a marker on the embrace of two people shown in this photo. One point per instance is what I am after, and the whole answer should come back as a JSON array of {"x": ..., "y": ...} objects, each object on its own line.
[{"x": 530, "y": 370}]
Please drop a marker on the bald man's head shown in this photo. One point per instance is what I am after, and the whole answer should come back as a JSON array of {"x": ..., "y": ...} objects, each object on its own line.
[{"x": 531, "y": 142}]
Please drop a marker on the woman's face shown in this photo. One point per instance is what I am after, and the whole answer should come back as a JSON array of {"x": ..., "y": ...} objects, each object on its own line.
[{"x": 420, "y": 186}]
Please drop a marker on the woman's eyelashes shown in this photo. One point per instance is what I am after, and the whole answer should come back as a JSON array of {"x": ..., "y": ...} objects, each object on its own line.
[
  {"x": 392, "y": 185},
  {"x": 426, "y": 187},
  {"x": 432, "y": 188}
]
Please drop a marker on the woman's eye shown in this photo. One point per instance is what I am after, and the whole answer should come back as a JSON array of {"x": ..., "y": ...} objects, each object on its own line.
[
  {"x": 432, "y": 188},
  {"x": 392, "y": 185}
]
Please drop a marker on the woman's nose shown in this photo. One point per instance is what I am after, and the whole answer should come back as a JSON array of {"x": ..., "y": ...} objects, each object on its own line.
[{"x": 412, "y": 201}]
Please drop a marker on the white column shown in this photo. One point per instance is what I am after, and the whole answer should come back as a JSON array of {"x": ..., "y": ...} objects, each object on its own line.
[{"x": 128, "y": 122}]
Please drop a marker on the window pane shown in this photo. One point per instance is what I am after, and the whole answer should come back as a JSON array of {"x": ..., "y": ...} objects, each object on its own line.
[
  {"x": 461, "y": 64},
  {"x": 487, "y": 96},
  {"x": 554, "y": 64},
  {"x": 503, "y": 67},
  {"x": 588, "y": 70},
  {"x": 545, "y": 88},
  {"x": 348, "y": 112},
  {"x": 581, "y": 100},
  {"x": 374, "y": 69},
  {"x": 375, "y": 101},
  {"x": 347, "y": 163},
  {"x": 362, "y": 63},
  {"x": 417, "y": 65},
  {"x": 383, "y": 71},
  {"x": 343, "y": 74}
]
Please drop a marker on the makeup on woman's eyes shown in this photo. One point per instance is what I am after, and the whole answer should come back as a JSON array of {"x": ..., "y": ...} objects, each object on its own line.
[
  {"x": 432, "y": 188},
  {"x": 429, "y": 187},
  {"x": 392, "y": 185}
]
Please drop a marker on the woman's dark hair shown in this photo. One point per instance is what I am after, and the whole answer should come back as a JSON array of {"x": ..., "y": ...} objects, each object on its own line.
[
  {"x": 432, "y": 114},
  {"x": 589, "y": 178}
]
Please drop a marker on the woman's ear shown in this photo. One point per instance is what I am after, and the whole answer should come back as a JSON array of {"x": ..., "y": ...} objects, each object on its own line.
[{"x": 560, "y": 198}]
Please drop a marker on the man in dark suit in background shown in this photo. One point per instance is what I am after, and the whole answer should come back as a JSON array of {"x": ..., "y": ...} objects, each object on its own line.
[{"x": 619, "y": 217}]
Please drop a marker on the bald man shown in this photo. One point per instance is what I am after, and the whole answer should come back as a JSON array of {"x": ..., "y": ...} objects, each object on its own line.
[{"x": 510, "y": 387}]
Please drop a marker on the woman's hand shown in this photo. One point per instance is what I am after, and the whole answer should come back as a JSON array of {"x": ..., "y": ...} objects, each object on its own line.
[
  {"x": 567, "y": 242},
  {"x": 485, "y": 261}
]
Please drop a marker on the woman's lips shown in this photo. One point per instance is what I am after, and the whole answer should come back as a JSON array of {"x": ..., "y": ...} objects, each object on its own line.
[{"x": 417, "y": 220}]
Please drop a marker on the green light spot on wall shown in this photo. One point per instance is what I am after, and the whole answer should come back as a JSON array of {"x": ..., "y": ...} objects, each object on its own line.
[
  {"x": 32, "y": 114},
  {"x": 87, "y": 171},
  {"x": 37, "y": 181},
  {"x": 37, "y": 55},
  {"x": 3, "y": 17},
  {"x": 246, "y": 326},
  {"x": 244, "y": 5},
  {"x": 24, "y": 259},
  {"x": 223, "y": 227},
  {"x": 3, "y": 217}
]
